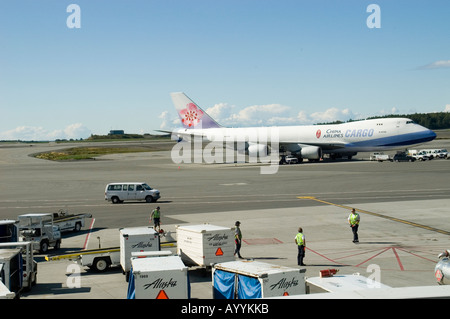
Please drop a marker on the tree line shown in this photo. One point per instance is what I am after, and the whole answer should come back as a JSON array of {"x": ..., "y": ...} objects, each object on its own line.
[{"x": 433, "y": 121}]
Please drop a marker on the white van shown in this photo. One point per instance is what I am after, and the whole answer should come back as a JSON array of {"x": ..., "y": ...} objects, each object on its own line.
[{"x": 118, "y": 192}]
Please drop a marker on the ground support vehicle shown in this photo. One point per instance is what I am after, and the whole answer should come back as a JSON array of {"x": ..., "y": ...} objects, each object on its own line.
[
  {"x": 8, "y": 231},
  {"x": 421, "y": 156},
  {"x": 403, "y": 157},
  {"x": 11, "y": 265},
  {"x": 96, "y": 259},
  {"x": 380, "y": 157},
  {"x": 442, "y": 269},
  {"x": 29, "y": 265},
  {"x": 68, "y": 222},
  {"x": 39, "y": 229},
  {"x": 135, "y": 191}
]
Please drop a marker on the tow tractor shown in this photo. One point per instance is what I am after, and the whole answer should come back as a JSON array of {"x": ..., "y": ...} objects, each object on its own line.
[{"x": 39, "y": 229}]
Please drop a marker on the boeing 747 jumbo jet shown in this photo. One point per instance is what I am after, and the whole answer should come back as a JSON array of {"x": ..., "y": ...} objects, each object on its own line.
[{"x": 304, "y": 142}]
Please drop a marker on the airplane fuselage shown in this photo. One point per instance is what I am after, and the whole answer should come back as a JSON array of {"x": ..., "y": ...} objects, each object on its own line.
[{"x": 358, "y": 136}]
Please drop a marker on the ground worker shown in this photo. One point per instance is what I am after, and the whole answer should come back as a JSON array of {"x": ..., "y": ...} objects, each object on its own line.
[
  {"x": 353, "y": 220},
  {"x": 237, "y": 239},
  {"x": 156, "y": 216},
  {"x": 301, "y": 244}
]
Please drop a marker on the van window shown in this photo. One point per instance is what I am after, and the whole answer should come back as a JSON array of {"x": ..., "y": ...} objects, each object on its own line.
[
  {"x": 146, "y": 187},
  {"x": 130, "y": 188},
  {"x": 125, "y": 188},
  {"x": 115, "y": 187},
  {"x": 139, "y": 188}
]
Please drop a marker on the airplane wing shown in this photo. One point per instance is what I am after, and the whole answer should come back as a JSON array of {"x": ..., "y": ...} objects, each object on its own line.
[{"x": 323, "y": 146}]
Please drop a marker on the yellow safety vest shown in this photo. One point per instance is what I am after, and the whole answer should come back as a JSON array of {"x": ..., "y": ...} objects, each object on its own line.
[
  {"x": 299, "y": 239},
  {"x": 354, "y": 219},
  {"x": 156, "y": 213}
]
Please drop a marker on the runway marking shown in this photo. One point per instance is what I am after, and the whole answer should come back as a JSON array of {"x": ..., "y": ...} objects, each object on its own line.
[
  {"x": 88, "y": 234},
  {"x": 444, "y": 232},
  {"x": 378, "y": 253},
  {"x": 262, "y": 241},
  {"x": 398, "y": 259}
]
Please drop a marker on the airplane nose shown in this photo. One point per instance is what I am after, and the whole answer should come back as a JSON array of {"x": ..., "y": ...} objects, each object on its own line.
[{"x": 430, "y": 135}]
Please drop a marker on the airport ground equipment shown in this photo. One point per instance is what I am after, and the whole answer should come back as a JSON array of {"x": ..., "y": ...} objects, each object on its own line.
[
  {"x": 205, "y": 244},
  {"x": 8, "y": 231},
  {"x": 140, "y": 191},
  {"x": 96, "y": 259},
  {"x": 11, "y": 265},
  {"x": 341, "y": 283},
  {"x": 136, "y": 239},
  {"x": 163, "y": 277},
  {"x": 442, "y": 269},
  {"x": 248, "y": 279},
  {"x": 39, "y": 229},
  {"x": 29, "y": 265},
  {"x": 70, "y": 222},
  {"x": 380, "y": 157}
]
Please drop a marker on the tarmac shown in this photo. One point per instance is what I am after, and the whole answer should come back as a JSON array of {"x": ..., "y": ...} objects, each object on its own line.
[{"x": 403, "y": 207}]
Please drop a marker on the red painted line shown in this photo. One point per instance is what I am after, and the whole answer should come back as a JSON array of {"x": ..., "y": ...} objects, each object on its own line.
[
  {"x": 276, "y": 239},
  {"x": 88, "y": 234},
  {"x": 325, "y": 257},
  {"x": 433, "y": 261},
  {"x": 373, "y": 257},
  {"x": 398, "y": 259}
]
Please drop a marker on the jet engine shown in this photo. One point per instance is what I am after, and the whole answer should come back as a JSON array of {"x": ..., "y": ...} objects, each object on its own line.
[
  {"x": 255, "y": 150},
  {"x": 311, "y": 152}
]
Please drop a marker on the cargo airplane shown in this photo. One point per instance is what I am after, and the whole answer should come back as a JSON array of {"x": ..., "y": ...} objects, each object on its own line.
[{"x": 304, "y": 142}]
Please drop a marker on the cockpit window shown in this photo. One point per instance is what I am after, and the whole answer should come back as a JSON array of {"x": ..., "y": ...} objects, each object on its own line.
[{"x": 410, "y": 122}]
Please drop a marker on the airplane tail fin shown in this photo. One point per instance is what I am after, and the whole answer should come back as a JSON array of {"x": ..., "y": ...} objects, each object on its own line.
[{"x": 191, "y": 115}]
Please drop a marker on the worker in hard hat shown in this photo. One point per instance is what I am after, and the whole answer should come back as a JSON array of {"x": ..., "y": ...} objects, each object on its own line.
[
  {"x": 301, "y": 244},
  {"x": 237, "y": 238},
  {"x": 353, "y": 220}
]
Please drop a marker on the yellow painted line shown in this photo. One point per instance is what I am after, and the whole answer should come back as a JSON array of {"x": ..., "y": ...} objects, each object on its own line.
[{"x": 378, "y": 215}]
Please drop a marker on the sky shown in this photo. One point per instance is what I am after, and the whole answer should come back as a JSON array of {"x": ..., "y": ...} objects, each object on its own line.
[{"x": 68, "y": 73}]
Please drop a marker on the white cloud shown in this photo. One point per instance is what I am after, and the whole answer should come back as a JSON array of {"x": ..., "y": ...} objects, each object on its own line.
[
  {"x": 447, "y": 108},
  {"x": 263, "y": 115},
  {"x": 165, "y": 118},
  {"x": 38, "y": 133},
  {"x": 441, "y": 64}
]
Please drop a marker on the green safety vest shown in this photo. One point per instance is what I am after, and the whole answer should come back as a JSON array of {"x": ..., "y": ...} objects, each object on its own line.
[
  {"x": 299, "y": 239},
  {"x": 156, "y": 213},
  {"x": 354, "y": 219}
]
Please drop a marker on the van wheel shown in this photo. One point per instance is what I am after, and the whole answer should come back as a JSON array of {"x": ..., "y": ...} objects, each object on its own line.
[
  {"x": 77, "y": 227},
  {"x": 115, "y": 200},
  {"x": 149, "y": 199}
]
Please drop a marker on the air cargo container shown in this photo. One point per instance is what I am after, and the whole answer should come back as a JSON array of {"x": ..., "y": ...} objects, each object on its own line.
[
  {"x": 204, "y": 245},
  {"x": 158, "y": 278},
  {"x": 252, "y": 279},
  {"x": 136, "y": 239},
  {"x": 11, "y": 270}
]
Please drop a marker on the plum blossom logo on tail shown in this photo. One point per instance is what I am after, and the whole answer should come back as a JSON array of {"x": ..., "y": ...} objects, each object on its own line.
[{"x": 191, "y": 115}]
